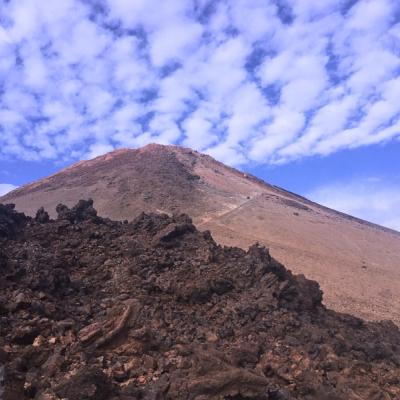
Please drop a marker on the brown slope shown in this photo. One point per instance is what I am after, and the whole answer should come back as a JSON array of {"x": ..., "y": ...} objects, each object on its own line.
[{"x": 356, "y": 263}]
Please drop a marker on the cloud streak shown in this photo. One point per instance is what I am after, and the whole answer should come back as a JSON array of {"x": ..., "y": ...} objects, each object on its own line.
[
  {"x": 371, "y": 199},
  {"x": 5, "y": 188},
  {"x": 246, "y": 81}
]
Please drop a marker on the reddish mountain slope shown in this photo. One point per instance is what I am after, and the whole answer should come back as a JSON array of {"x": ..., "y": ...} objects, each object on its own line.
[{"x": 356, "y": 263}]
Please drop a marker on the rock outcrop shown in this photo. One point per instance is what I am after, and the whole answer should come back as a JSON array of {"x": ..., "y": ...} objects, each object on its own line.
[{"x": 154, "y": 309}]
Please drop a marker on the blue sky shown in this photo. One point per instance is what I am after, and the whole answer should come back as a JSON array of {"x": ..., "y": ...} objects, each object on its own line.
[{"x": 303, "y": 93}]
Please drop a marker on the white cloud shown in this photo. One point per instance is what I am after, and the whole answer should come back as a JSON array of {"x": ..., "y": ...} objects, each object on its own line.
[
  {"x": 255, "y": 19},
  {"x": 371, "y": 199},
  {"x": 198, "y": 132},
  {"x": 371, "y": 14},
  {"x": 173, "y": 41},
  {"x": 327, "y": 121},
  {"x": 301, "y": 94},
  {"x": 285, "y": 126},
  {"x": 6, "y": 187},
  {"x": 4, "y": 36},
  {"x": 248, "y": 109},
  {"x": 227, "y": 154},
  {"x": 98, "y": 149},
  {"x": 235, "y": 79},
  {"x": 149, "y": 14}
]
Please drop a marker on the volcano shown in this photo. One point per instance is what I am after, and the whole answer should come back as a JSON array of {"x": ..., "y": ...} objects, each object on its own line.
[{"x": 357, "y": 263}]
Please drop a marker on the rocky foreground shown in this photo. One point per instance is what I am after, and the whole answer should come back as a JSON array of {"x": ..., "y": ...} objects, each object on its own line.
[{"x": 154, "y": 309}]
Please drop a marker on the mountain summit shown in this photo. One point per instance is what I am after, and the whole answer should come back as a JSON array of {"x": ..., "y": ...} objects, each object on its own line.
[{"x": 356, "y": 262}]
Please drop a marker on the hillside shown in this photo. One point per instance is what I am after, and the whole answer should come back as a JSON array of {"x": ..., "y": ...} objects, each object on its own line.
[
  {"x": 357, "y": 263},
  {"x": 93, "y": 309}
]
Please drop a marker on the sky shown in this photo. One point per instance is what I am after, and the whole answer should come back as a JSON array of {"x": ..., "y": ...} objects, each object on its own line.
[{"x": 303, "y": 93}]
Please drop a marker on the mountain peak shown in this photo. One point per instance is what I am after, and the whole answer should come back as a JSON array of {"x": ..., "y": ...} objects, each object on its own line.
[{"x": 156, "y": 147}]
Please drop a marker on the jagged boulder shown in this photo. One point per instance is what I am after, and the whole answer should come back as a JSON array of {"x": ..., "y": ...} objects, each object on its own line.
[
  {"x": 42, "y": 216},
  {"x": 82, "y": 211},
  {"x": 10, "y": 220}
]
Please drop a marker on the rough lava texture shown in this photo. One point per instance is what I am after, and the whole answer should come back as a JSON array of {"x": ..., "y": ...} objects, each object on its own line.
[{"x": 154, "y": 309}]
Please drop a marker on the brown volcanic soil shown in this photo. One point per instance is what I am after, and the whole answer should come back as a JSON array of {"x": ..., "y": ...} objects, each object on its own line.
[
  {"x": 155, "y": 309},
  {"x": 356, "y": 263}
]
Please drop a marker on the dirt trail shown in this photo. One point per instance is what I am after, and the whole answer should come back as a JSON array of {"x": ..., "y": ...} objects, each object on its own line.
[{"x": 223, "y": 213}]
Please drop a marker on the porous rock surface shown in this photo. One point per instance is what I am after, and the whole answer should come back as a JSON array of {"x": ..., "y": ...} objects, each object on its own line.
[{"x": 154, "y": 309}]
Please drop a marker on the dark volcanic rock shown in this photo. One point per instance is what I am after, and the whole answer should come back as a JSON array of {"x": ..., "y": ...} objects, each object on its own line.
[
  {"x": 10, "y": 220},
  {"x": 154, "y": 309},
  {"x": 42, "y": 216},
  {"x": 82, "y": 211},
  {"x": 87, "y": 384}
]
